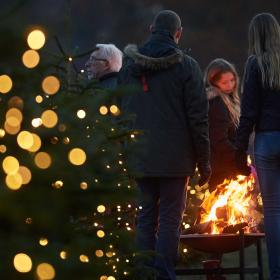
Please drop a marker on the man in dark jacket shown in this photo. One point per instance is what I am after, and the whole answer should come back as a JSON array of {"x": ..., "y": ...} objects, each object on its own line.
[
  {"x": 171, "y": 109},
  {"x": 104, "y": 65}
]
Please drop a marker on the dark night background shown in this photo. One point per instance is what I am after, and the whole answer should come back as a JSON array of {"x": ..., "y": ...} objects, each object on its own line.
[{"x": 212, "y": 29}]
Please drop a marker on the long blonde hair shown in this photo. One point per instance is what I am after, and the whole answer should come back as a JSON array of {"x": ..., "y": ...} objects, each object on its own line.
[
  {"x": 213, "y": 74},
  {"x": 264, "y": 43}
]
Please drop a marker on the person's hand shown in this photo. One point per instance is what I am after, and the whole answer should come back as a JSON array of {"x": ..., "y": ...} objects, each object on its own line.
[
  {"x": 205, "y": 174},
  {"x": 241, "y": 163}
]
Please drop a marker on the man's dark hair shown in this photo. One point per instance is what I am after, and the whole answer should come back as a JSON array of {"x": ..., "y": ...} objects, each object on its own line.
[{"x": 167, "y": 20}]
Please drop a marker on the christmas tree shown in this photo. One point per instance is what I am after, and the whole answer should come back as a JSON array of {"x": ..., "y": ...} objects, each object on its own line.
[{"x": 67, "y": 194}]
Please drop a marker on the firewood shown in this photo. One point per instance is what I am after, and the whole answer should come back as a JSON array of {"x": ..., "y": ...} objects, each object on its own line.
[{"x": 199, "y": 228}]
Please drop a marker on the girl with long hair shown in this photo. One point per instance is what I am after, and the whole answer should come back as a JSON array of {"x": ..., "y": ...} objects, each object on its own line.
[
  {"x": 222, "y": 81},
  {"x": 260, "y": 111}
]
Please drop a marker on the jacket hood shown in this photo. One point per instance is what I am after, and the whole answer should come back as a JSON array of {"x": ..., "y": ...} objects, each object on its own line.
[
  {"x": 212, "y": 92},
  {"x": 153, "y": 63}
]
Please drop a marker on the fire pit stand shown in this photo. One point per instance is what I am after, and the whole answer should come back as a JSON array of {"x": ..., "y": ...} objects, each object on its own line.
[{"x": 225, "y": 243}]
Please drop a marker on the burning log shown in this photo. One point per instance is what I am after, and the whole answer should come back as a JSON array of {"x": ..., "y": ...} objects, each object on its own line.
[
  {"x": 234, "y": 228},
  {"x": 199, "y": 228},
  {"x": 229, "y": 208},
  {"x": 221, "y": 213}
]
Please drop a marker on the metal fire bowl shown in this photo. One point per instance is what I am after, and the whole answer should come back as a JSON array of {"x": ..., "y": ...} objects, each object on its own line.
[{"x": 219, "y": 243}]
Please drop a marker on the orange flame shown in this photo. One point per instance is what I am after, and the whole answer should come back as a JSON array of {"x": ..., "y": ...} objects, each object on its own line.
[{"x": 232, "y": 203}]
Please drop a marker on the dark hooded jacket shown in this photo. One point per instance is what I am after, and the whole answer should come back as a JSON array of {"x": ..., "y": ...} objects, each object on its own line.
[
  {"x": 222, "y": 133},
  {"x": 171, "y": 107}
]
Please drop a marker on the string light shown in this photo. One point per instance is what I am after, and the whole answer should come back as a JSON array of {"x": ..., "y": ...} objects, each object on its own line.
[
  {"x": 43, "y": 241},
  {"x": 81, "y": 114},
  {"x": 2, "y": 133},
  {"x": 6, "y": 84},
  {"x": 84, "y": 258},
  {"x": 101, "y": 209},
  {"x": 103, "y": 110},
  {"x": 30, "y": 58},
  {"x": 77, "y": 156},
  {"x": 36, "y": 39},
  {"x": 51, "y": 85},
  {"x": 43, "y": 160},
  {"x": 63, "y": 255},
  {"x": 10, "y": 165},
  {"x": 45, "y": 271},
  {"x": 22, "y": 263}
]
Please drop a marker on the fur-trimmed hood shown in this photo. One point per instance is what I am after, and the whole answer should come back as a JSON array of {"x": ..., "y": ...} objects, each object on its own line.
[
  {"x": 212, "y": 92},
  {"x": 152, "y": 63}
]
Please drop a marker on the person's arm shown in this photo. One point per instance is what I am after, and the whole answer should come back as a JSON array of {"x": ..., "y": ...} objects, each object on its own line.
[
  {"x": 250, "y": 112},
  {"x": 250, "y": 104},
  {"x": 197, "y": 114}
]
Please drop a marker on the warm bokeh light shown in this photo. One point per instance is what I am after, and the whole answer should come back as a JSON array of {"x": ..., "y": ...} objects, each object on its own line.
[
  {"x": 49, "y": 118},
  {"x": 58, "y": 184},
  {"x": 101, "y": 209},
  {"x": 16, "y": 102},
  {"x": 81, "y": 114},
  {"x": 13, "y": 121},
  {"x": 51, "y": 85},
  {"x": 10, "y": 165},
  {"x": 2, "y": 133},
  {"x": 36, "y": 143},
  {"x": 109, "y": 254},
  {"x": 22, "y": 263},
  {"x": 43, "y": 160},
  {"x": 6, "y": 84},
  {"x": 99, "y": 253},
  {"x": 103, "y": 110},
  {"x": 13, "y": 130},
  {"x": 77, "y": 156},
  {"x": 13, "y": 181},
  {"x": 3, "y": 149},
  {"x": 43, "y": 241},
  {"x": 103, "y": 277},
  {"x": 25, "y": 140},
  {"x": 36, "y": 39},
  {"x": 39, "y": 99},
  {"x": 111, "y": 278},
  {"x": 30, "y": 59},
  {"x": 45, "y": 271},
  {"x": 115, "y": 110},
  {"x": 36, "y": 122},
  {"x": 25, "y": 174},
  {"x": 63, "y": 255},
  {"x": 84, "y": 258},
  {"x": 14, "y": 112},
  {"x": 100, "y": 233},
  {"x": 66, "y": 140},
  {"x": 83, "y": 185}
]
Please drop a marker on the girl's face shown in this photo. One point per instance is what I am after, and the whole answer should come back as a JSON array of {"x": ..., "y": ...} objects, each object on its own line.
[{"x": 226, "y": 83}]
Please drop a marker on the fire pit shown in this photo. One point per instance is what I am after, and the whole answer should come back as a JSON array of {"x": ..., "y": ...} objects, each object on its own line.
[
  {"x": 228, "y": 221},
  {"x": 225, "y": 243},
  {"x": 219, "y": 243}
]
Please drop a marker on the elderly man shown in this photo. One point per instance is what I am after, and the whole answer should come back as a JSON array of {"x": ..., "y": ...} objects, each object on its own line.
[
  {"x": 104, "y": 64},
  {"x": 171, "y": 108}
]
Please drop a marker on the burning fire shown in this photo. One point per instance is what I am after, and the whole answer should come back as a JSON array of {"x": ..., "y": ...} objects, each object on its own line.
[{"x": 233, "y": 204}]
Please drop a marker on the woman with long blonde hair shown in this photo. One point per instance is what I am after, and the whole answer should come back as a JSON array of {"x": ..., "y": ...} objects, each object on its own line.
[
  {"x": 260, "y": 111},
  {"x": 222, "y": 81}
]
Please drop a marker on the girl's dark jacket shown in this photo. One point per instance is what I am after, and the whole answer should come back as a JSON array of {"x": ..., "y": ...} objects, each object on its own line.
[
  {"x": 170, "y": 105},
  {"x": 222, "y": 133}
]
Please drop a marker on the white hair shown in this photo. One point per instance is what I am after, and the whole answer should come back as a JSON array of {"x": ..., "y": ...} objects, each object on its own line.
[{"x": 112, "y": 54}]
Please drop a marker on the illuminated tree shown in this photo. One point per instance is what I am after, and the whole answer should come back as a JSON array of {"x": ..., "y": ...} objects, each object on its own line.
[{"x": 66, "y": 191}]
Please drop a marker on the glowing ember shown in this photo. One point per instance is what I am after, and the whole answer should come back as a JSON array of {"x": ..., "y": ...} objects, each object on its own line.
[{"x": 234, "y": 202}]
